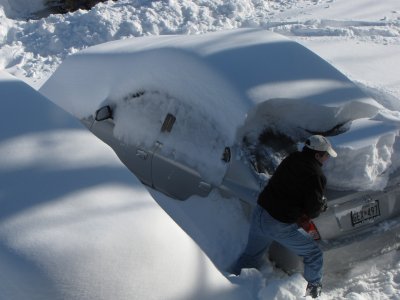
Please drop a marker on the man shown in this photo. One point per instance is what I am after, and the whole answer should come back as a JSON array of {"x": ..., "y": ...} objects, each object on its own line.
[{"x": 294, "y": 193}]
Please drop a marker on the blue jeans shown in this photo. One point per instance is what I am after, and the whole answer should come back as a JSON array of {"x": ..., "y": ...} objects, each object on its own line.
[{"x": 264, "y": 229}]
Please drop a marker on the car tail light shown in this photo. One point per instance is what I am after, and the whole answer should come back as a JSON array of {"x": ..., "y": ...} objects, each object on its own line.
[{"x": 313, "y": 231}]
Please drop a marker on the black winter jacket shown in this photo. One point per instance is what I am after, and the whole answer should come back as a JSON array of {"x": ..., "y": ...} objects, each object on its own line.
[{"x": 295, "y": 189}]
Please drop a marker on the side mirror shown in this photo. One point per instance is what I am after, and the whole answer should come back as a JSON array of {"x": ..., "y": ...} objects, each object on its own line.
[{"x": 103, "y": 113}]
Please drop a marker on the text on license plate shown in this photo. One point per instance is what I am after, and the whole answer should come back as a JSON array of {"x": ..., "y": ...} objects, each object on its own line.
[{"x": 367, "y": 212}]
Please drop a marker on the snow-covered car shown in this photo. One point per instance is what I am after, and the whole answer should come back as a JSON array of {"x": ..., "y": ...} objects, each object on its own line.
[{"x": 192, "y": 114}]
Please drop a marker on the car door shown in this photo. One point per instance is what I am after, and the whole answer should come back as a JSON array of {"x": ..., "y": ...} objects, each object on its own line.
[
  {"x": 135, "y": 156},
  {"x": 172, "y": 176},
  {"x": 188, "y": 159},
  {"x": 167, "y": 143}
]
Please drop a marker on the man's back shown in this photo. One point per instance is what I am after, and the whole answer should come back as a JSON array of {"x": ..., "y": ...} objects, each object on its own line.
[{"x": 295, "y": 189}]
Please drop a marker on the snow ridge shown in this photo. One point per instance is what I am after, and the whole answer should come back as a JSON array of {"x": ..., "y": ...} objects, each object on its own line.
[{"x": 386, "y": 32}]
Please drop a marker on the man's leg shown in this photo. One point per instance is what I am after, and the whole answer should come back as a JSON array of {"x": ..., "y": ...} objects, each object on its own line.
[
  {"x": 257, "y": 244},
  {"x": 304, "y": 246},
  {"x": 300, "y": 243}
]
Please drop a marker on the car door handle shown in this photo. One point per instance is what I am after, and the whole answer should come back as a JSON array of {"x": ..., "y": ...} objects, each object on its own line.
[{"x": 142, "y": 154}]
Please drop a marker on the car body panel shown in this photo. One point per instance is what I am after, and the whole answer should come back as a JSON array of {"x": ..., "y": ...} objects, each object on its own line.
[
  {"x": 339, "y": 219},
  {"x": 343, "y": 252},
  {"x": 177, "y": 179},
  {"x": 240, "y": 179}
]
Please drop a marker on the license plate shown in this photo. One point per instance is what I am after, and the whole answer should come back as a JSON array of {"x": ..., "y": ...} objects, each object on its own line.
[{"x": 367, "y": 213}]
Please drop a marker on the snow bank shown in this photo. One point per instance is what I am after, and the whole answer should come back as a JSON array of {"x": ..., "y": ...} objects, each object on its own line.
[
  {"x": 111, "y": 241},
  {"x": 48, "y": 150},
  {"x": 75, "y": 224}
]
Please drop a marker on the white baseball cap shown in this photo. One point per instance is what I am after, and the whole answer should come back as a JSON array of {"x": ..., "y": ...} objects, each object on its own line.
[{"x": 320, "y": 143}]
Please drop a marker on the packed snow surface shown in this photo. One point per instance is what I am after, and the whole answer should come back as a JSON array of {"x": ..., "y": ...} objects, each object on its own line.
[{"x": 76, "y": 224}]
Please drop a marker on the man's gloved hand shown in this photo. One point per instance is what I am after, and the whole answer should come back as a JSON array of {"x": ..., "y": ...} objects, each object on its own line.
[
  {"x": 308, "y": 226},
  {"x": 304, "y": 222}
]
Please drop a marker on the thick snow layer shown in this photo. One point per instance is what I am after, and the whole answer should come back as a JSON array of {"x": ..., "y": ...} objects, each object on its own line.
[{"x": 358, "y": 37}]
